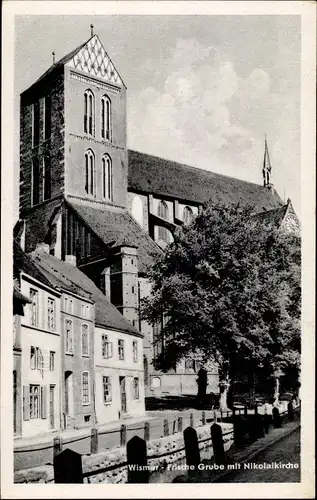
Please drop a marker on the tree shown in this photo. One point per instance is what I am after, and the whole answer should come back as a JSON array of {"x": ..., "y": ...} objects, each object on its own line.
[{"x": 228, "y": 288}]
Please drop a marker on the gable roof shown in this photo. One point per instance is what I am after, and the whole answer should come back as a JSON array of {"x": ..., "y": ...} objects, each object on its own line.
[
  {"x": 106, "y": 314},
  {"x": 277, "y": 216},
  {"x": 115, "y": 225},
  {"x": 91, "y": 57},
  {"x": 23, "y": 262},
  {"x": 151, "y": 174}
]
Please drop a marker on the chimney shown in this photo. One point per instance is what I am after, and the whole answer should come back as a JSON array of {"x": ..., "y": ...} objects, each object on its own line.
[
  {"x": 71, "y": 259},
  {"x": 42, "y": 248}
]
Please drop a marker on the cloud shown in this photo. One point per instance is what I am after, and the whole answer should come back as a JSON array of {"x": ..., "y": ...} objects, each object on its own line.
[{"x": 189, "y": 117}]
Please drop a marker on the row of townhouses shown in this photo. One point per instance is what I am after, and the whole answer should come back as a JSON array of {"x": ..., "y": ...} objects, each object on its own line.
[
  {"x": 93, "y": 215},
  {"x": 77, "y": 360}
]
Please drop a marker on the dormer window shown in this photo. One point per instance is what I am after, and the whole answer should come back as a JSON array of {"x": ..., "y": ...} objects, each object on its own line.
[
  {"x": 106, "y": 118},
  {"x": 89, "y": 113},
  {"x": 106, "y": 177},
  {"x": 89, "y": 172}
]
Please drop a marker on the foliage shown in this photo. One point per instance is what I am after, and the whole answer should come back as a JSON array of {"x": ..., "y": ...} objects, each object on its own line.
[{"x": 228, "y": 290}]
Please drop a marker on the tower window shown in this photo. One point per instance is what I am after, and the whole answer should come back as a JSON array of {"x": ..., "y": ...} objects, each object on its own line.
[
  {"x": 47, "y": 116},
  {"x": 107, "y": 177},
  {"x": 89, "y": 113},
  {"x": 35, "y": 181},
  {"x": 89, "y": 172},
  {"x": 46, "y": 178},
  {"x": 106, "y": 118},
  {"x": 36, "y": 124}
]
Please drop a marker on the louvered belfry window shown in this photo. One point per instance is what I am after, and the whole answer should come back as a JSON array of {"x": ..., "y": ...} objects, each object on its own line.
[{"x": 89, "y": 113}]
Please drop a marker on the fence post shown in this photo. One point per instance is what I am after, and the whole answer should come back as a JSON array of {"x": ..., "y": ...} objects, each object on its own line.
[
  {"x": 203, "y": 418},
  {"x": 123, "y": 435},
  {"x": 94, "y": 441},
  {"x": 147, "y": 431},
  {"x": 290, "y": 411},
  {"x": 57, "y": 446},
  {"x": 276, "y": 418},
  {"x": 68, "y": 467},
  {"x": 166, "y": 429},
  {"x": 136, "y": 456},
  {"x": 245, "y": 409},
  {"x": 220, "y": 415},
  {"x": 191, "y": 420},
  {"x": 180, "y": 424},
  {"x": 191, "y": 449},
  {"x": 217, "y": 444}
]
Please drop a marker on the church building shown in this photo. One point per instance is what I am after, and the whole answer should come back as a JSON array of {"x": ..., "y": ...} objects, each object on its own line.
[{"x": 106, "y": 209}]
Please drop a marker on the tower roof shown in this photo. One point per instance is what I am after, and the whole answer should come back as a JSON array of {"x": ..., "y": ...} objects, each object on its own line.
[{"x": 89, "y": 57}]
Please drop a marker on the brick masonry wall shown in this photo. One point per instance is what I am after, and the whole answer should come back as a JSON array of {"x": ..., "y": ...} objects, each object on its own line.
[{"x": 54, "y": 146}]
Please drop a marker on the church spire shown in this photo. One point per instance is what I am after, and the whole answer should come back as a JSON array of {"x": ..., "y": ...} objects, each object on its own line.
[{"x": 267, "y": 167}]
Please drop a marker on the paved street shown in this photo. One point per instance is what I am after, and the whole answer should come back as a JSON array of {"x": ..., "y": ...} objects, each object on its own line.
[{"x": 286, "y": 450}]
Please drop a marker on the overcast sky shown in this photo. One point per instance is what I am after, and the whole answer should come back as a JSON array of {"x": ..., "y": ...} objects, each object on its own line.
[{"x": 202, "y": 90}]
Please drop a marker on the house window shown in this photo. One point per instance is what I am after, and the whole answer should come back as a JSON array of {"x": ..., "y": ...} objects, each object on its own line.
[
  {"x": 35, "y": 181},
  {"x": 187, "y": 215},
  {"x": 107, "y": 393},
  {"x": 36, "y": 124},
  {"x": 85, "y": 310},
  {"x": 135, "y": 351},
  {"x": 35, "y": 401},
  {"x": 84, "y": 340},
  {"x": 46, "y": 177},
  {"x": 85, "y": 388},
  {"x": 68, "y": 305},
  {"x": 36, "y": 358},
  {"x": 47, "y": 117},
  {"x": 34, "y": 307},
  {"x": 52, "y": 361},
  {"x": 89, "y": 112},
  {"x": 121, "y": 349},
  {"x": 162, "y": 211},
  {"x": 106, "y": 118},
  {"x": 106, "y": 177},
  {"x": 106, "y": 347},
  {"x": 51, "y": 314},
  {"x": 136, "y": 388},
  {"x": 89, "y": 172},
  {"x": 69, "y": 336}
]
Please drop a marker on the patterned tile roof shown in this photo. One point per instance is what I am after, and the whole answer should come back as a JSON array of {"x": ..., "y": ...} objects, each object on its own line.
[
  {"x": 274, "y": 217},
  {"x": 106, "y": 314},
  {"x": 151, "y": 174},
  {"x": 90, "y": 57},
  {"x": 116, "y": 226}
]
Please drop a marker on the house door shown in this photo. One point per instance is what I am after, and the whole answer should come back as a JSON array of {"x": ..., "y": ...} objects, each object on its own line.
[
  {"x": 52, "y": 406},
  {"x": 123, "y": 395}
]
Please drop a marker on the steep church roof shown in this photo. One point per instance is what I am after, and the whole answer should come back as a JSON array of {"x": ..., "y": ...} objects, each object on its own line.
[
  {"x": 89, "y": 57},
  {"x": 151, "y": 174},
  {"x": 281, "y": 216},
  {"x": 116, "y": 226},
  {"x": 69, "y": 276}
]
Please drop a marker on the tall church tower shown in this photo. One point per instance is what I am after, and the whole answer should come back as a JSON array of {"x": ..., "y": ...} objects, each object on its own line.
[{"x": 73, "y": 132}]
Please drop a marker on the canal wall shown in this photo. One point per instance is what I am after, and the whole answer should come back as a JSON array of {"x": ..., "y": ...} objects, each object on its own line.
[{"x": 160, "y": 452}]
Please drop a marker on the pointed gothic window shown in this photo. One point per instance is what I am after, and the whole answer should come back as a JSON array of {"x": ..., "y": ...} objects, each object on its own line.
[
  {"x": 47, "y": 117},
  {"x": 187, "y": 215},
  {"x": 36, "y": 124},
  {"x": 89, "y": 113},
  {"x": 35, "y": 181},
  {"x": 106, "y": 118},
  {"x": 162, "y": 211},
  {"x": 89, "y": 171},
  {"x": 106, "y": 177},
  {"x": 46, "y": 178}
]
